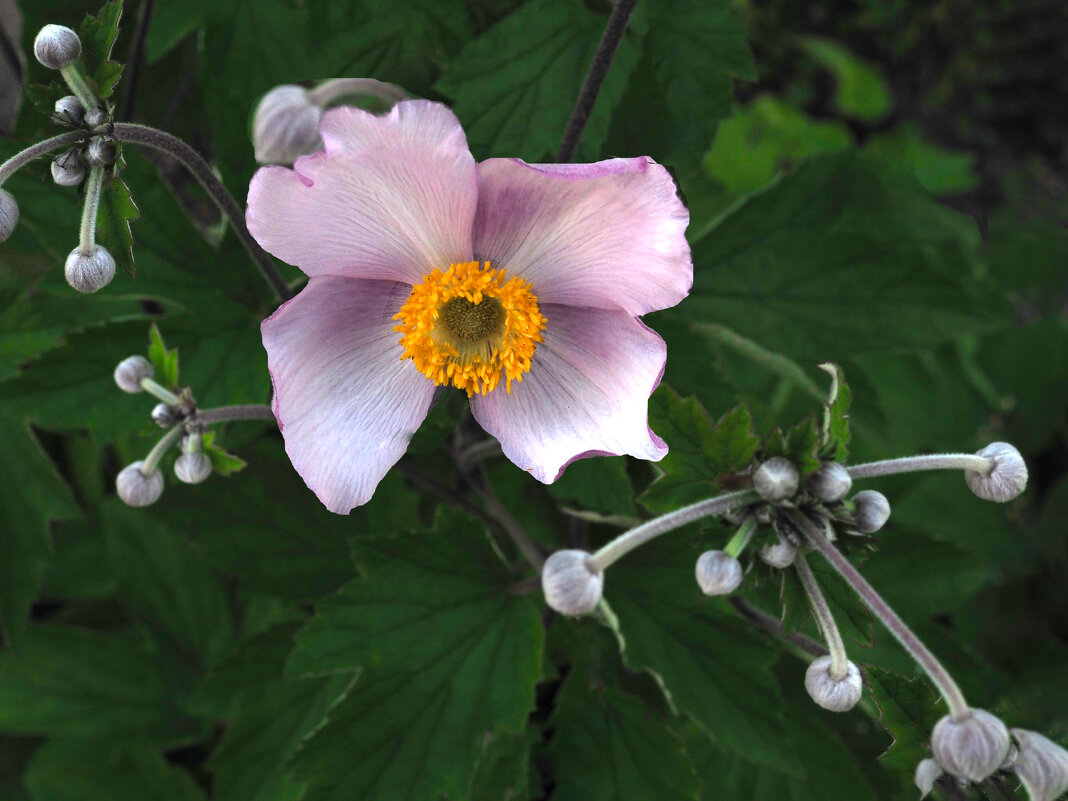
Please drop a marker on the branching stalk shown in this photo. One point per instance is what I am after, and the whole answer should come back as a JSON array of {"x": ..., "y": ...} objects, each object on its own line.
[
  {"x": 158, "y": 391},
  {"x": 148, "y": 466},
  {"x": 24, "y": 157},
  {"x": 824, "y": 619},
  {"x": 90, "y": 207},
  {"x": 911, "y": 464},
  {"x": 741, "y": 537},
  {"x": 224, "y": 414},
  {"x": 80, "y": 87}
]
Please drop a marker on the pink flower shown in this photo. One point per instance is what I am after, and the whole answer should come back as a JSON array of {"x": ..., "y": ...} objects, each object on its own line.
[{"x": 521, "y": 283}]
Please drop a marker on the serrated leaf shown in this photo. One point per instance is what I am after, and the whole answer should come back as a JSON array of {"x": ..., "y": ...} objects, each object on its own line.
[
  {"x": 907, "y": 711},
  {"x": 98, "y": 35},
  {"x": 515, "y": 85},
  {"x": 446, "y": 648},
  {"x": 503, "y": 771},
  {"x": 164, "y": 361},
  {"x": 223, "y": 462},
  {"x": 702, "y": 454},
  {"x": 117, "y": 211},
  {"x": 861, "y": 92},
  {"x": 834, "y": 431},
  {"x": 44, "y": 96},
  {"x": 800, "y": 445}
]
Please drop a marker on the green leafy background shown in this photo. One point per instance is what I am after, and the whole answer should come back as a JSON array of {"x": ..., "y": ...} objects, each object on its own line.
[{"x": 876, "y": 185}]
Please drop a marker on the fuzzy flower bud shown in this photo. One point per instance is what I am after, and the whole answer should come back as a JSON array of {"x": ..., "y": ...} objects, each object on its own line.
[
  {"x": 67, "y": 169},
  {"x": 780, "y": 555},
  {"x": 137, "y": 489},
  {"x": 100, "y": 152},
  {"x": 285, "y": 125},
  {"x": 836, "y": 695},
  {"x": 95, "y": 116},
  {"x": 130, "y": 371},
  {"x": 9, "y": 214},
  {"x": 776, "y": 479},
  {"x": 972, "y": 748},
  {"x": 1006, "y": 479},
  {"x": 718, "y": 573},
  {"x": 164, "y": 416},
  {"x": 872, "y": 510},
  {"x": 57, "y": 46},
  {"x": 69, "y": 109},
  {"x": 193, "y": 466},
  {"x": 927, "y": 773},
  {"x": 570, "y": 587},
  {"x": 1041, "y": 764},
  {"x": 88, "y": 272},
  {"x": 830, "y": 483}
]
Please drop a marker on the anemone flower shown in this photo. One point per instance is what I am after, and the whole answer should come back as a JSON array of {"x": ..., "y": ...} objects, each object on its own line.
[{"x": 521, "y": 284}]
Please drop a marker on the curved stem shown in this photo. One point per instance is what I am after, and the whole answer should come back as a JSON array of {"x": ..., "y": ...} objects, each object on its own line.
[
  {"x": 483, "y": 449},
  {"x": 224, "y": 414},
  {"x": 912, "y": 464},
  {"x": 602, "y": 60},
  {"x": 822, "y": 612},
  {"x": 79, "y": 87},
  {"x": 625, "y": 543},
  {"x": 958, "y": 707},
  {"x": 159, "y": 449},
  {"x": 508, "y": 524},
  {"x": 90, "y": 207},
  {"x": 741, "y": 537},
  {"x": 331, "y": 91},
  {"x": 159, "y": 391},
  {"x": 145, "y": 136},
  {"x": 24, "y": 157},
  {"x": 773, "y": 625}
]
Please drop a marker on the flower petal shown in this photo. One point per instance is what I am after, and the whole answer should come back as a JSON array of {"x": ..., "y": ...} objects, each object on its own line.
[
  {"x": 586, "y": 393},
  {"x": 610, "y": 235},
  {"x": 345, "y": 402},
  {"x": 388, "y": 198}
]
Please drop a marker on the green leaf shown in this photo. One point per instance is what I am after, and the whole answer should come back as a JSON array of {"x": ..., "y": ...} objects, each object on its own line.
[
  {"x": 446, "y": 648},
  {"x": 800, "y": 445},
  {"x": 907, "y": 711},
  {"x": 702, "y": 454},
  {"x": 95, "y": 770},
  {"x": 600, "y": 484},
  {"x": 712, "y": 667},
  {"x": 117, "y": 211},
  {"x": 98, "y": 36},
  {"x": 941, "y": 171},
  {"x": 164, "y": 361},
  {"x": 515, "y": 85},
  {"x": 444, "y": 416},
  {"x": 503, "y": 771},
  {"x": 223, "y": 462},
  {"x": 834, "y": 432},
  {"x": 862, "y": 92},
  {"x": 31, "y": 495}
]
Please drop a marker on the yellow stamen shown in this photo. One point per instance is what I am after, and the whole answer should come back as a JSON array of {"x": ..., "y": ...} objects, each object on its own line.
[{"x": 469, "y": 325}]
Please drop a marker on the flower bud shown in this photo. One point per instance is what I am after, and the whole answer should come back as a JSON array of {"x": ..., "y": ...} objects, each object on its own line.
[
  {"x": 570, "y": 587},
  {"x": 70, "y": 110},
  {"x": 830, "y": 483},
  {"x": 837, "y": 695},
  {"x": 163, "y": 415},
  {"x": 776, "y": 479},
  {"x": 137, "y": 489},
  {"x": 971, "y": 748},
  {"x": 95, "y": 117},
  {"x": 57, "y": 46},
  {"x": 88, "y": 272},
  {"x": 718, "y": 573},
  {"x": 871, "y": 511},
  {"x": 193, "y": 466},
  {"x": 1041, "y": 764},
  {"x": 130, "y": 371},
  {"x": 1006, "y": 479},
  {"x": 927, "y": 773},
  {"x": 9, "y": 214},
  {"x": 100, "y": 152},
  {"x": 67, "y": 169},
  {"x": 780, "y": 555},
  {"x": 285, "y": 126}
]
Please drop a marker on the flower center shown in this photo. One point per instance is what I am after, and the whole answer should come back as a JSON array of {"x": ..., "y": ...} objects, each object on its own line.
[{"x": 469, "y": 326}]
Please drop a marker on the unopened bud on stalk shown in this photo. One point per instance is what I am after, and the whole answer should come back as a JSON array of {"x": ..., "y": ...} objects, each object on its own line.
[
  {"x": 9, "y": 214},
  {"x": 570, "y": 587},
  {"x": 776, "y": 479},
  {"x": 927, "y": 773},
  {"x": 780, "y": 555},
  {"x": 830, "y": 483},
  {"x": 285, "y": 125},
  {"x": 100, "y": 152},
  {"x": 1041, "y": 764},
  {"x": 67, "y": 169},
  {"x": 70, "y": 110},
  {"x": 165, "y": 416},
  {"x": 871, "y": 511},
  {"x": 137, "y": 489},
  {"x": 718, "y": 573},
  {"x": 973, "y": 747},
  {"x": 130, "y": 371},
  {"x": 95, "y": 116},
  {"x": 193, "y": 466},
  {"x": 88, "y": 272},
  {"x": 836, "y": 695},
  {"x": 57, "y": 46},
  {"x": 1006, "y": 479}
]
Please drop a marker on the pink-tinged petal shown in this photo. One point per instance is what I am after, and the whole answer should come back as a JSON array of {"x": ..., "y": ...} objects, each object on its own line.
[
  {"x": 587, "y": 393},
  {"x": 610, "y": 235},
  {"x": 388, "y": 197},
  {"x": 345, "y": 402}
]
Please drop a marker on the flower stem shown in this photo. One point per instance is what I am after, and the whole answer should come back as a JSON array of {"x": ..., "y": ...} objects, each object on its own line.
[
  {"x": 772, "y": 625},
  {"x": 159, "y": 391},
  {"x": 145, "y": 136},
  {"x": 331, "y": 91},
  {"x": 824, "y": 619},
  {"x": 90, "y": 207},
  {"x": 476, "y": 452},
  {"x": 741, "y": 537},
  {"x": 224, "y": 414},
  {"x": 952, "y": 694},
  {"x": 625, "y": 543},
  {"x": 602, "y": 60},
  {"x": 159, "y": 449},
  {"x": 78, "y": 85},
  {"x": 24, "y": 157},
  {"x": 912, "y": 464}
]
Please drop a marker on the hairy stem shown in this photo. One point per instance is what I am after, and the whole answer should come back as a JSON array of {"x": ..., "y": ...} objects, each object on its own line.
[
  {"x": 952, "y": 694},
  {"x": 508, "y": 524},
  {"x": 331, "y": 91},
  {"x": 822, "y": 612},
  {"x": 772, "y": 625},
  {"x": 90, "y": 208},
  {"x": 79, "y": 87},
  {"x": 912, "y": 464},
  {"x": 145, "y": 136},
  {"x": 158, "y": 391},
  {"x": 602, "y": 60},
  {"x": 224, "y": 414},
  {"x": 24, "y": 157},
  {"x": 625, "y": 543},
  {"x": 741, "y": 537},
  {"x": 159, "y": 449}
]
